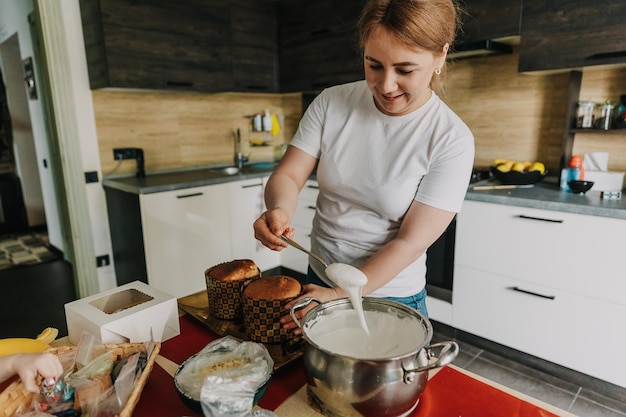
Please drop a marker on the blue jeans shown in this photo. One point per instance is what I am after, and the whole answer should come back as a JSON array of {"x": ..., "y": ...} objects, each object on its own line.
[{"x": 416, "y": 301}]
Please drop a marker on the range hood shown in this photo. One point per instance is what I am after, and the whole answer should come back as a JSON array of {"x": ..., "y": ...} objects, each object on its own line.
[{"x": 480, "y": 48}]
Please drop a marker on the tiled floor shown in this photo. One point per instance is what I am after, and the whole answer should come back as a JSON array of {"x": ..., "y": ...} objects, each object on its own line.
[
  {"x": 32, "y": 298},
  {"x": 579, "y": 394}
]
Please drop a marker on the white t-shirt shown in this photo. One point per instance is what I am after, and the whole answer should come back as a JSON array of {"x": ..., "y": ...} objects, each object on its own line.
[{"x": 371, "y": 168}]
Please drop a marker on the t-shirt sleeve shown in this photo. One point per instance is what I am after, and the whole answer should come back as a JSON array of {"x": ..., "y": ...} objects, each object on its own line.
[
  {"x": 308, "y": 136},
  {"x": 445, "y": 184}
]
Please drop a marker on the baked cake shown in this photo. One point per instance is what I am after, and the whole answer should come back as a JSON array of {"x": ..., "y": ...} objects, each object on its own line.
[
  {"x": 224, "y": 282},
  {"x": 264, "y": 303}
]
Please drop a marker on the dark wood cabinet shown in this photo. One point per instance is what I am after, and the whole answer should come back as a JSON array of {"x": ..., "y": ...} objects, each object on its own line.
[
  {"x": 255, "y": 45},
  {"x": 483, "y": 20},
  {"x": 318, "y": 45},
  {"x": 195, "y": 45},
  {"x": 568, "y": 34}
]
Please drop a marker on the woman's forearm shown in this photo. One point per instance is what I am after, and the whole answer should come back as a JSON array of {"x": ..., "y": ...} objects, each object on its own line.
[{"x": 420, "y": 229}]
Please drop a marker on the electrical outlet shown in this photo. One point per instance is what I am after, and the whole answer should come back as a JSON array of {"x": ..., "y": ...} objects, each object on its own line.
[
  {"x": 103, "y": 260},
  {"x": 124, "y": 153}
]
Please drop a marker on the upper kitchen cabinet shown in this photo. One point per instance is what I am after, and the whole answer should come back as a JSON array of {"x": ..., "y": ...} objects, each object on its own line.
[
  {"x": 568, "y": 34},
  {"x": 318, "y": 45},
  {"x": 193, "y": 45},
  {"x": 255, "y": 45},
  {"x": 484, "y": 20}
]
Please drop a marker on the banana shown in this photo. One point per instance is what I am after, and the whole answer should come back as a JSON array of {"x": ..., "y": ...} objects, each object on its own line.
[
  {"x": 14, "y": 345},
  {"x": 48, "y": 335}
]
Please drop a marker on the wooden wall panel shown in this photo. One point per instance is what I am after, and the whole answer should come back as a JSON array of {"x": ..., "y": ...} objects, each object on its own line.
[
  {"x": 512, "y": 116},
  {"x": 185, "y": 130}
]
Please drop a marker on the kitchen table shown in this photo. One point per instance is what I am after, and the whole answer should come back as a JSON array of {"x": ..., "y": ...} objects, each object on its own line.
[{"x": 450, "y": 392}]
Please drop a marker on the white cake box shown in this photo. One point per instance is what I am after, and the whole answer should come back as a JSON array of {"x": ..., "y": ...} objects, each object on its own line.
[
  {"x": 134, "y": 312},
  {"x": 605, "y": 180}
]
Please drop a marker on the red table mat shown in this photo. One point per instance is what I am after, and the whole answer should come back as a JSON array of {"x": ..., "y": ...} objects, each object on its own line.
[{"x": 453, "y": 393}]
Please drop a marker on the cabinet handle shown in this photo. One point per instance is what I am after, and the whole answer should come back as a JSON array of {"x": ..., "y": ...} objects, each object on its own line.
[
  {"x": 606, "y": 55},
  {"x": 311, "y": 207},
  {"x": 518, "y": 289},
  {"x": 523, "y": 216},
  {"x": 252, "y": 185},
  {"x": 189, "y": 195},
  {"x": 252, "y": 87},
  {"x": 179, "y": 83},
  {"x": 315, "y": 187}
]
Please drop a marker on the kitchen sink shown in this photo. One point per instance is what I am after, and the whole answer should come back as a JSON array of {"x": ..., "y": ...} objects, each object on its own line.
[
  {"x": 226, "y": 170},
  {"x": 249, "y": 168},
  {"x": 260, "y": 166}
]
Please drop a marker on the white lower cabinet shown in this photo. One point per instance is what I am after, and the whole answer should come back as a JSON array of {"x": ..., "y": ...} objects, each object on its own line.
[
  {"x": 574, "y": 331},
  {"x": 547, "y": 283},
  {"x": 185, "y": 231},
  {"x": 246, "y": 205},
  {"x": 189, "y": 230},
  {"x": 293, "y": 258}
]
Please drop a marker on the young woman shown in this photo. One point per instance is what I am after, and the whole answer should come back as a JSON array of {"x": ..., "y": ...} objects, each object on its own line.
[{"x": 392, "y": 161}]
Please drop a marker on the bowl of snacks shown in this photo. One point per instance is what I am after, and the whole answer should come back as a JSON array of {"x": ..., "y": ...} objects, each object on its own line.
[
  {"x": 225, "y": 368},
  {"x": 518, "y": 172}
]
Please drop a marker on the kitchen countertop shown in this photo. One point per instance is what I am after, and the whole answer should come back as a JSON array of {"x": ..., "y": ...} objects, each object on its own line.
[
  {"x": 545, "y": 195},
  {"x": 176, "y": 180}
]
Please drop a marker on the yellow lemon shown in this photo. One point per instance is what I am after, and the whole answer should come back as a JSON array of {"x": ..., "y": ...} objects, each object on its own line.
[
  {"x": 505, "y": 166},
  {"x": 538, "y": 166},
  {"x": 518, "y": 166}
]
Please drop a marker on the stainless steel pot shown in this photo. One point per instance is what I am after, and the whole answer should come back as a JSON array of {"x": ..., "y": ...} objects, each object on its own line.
[{"x": 344, "y": 386}]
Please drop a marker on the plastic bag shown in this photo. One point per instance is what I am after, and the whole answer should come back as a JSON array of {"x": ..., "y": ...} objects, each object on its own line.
[
  {"x": 224, "y": 397},
  {"x": 228, "y": 358},
  {"x": 227, "y": 397},
  {"x": 127, "y": 376}
]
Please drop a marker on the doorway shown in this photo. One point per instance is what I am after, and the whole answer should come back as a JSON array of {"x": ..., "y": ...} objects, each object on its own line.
[{"x": 20, "y": 170}]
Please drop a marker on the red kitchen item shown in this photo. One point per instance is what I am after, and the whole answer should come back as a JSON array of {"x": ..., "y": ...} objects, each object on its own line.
[
  {"x": 453, "y": 393},
  {"x": 576, "y": 161}
]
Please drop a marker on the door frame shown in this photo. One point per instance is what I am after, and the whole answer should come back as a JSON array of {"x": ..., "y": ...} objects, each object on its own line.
[{"x": 60, "y": 92}]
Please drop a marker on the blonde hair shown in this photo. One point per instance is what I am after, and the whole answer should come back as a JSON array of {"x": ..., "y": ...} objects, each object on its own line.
[{"x": 425, "y": 24}]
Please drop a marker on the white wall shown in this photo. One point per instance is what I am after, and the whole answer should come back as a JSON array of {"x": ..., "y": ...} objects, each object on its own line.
[{"x": 13, "y": 18}]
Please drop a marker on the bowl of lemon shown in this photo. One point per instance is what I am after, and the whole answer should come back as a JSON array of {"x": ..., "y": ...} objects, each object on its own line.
[{"x": 518, "y": 172}]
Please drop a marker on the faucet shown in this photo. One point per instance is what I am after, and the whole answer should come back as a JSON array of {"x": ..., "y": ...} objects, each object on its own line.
[{"x": 239, "y": 158}]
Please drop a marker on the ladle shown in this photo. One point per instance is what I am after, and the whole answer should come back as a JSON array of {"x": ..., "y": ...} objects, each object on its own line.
[
  {"x": 345, "y": 276},
  {"x": 298, "y": 246}
]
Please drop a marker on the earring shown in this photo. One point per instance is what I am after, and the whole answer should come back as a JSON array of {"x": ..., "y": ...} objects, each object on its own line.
[{"x": 437, "y": 71}]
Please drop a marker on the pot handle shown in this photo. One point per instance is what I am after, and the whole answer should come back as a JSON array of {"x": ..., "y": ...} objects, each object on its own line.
[
  {"x": 447, "y": 353},
  {"x": 301, "y": 304}
]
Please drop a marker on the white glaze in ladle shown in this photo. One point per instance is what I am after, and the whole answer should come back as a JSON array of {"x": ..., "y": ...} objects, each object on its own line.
[{"x": 352, "y": 280}]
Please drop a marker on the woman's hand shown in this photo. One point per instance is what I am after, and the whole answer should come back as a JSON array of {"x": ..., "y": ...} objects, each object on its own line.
[
  {"x": 310, "y": 290},
  {"x": 269, "y": 227}
]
